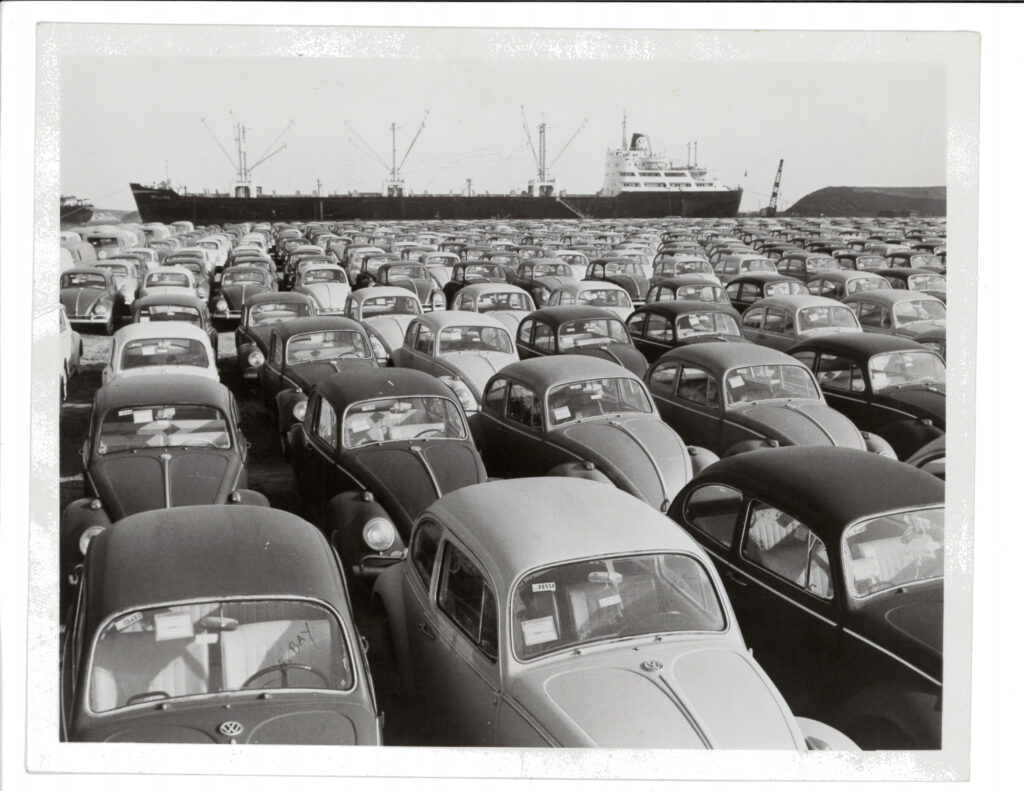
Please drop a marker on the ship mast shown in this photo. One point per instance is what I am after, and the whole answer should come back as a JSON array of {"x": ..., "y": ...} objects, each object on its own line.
[
  {"x": 544, "y": 184},
  {"x": 623, "y": 130}
]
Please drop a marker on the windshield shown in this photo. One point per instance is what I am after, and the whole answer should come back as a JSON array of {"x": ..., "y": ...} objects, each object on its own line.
[
  {"x": 826, "y": 317},
  {"x": 507, "y": 300},
  {"x": 926, "y": 282},
  {"x": 329, "y": 345},
  {"x": 474, "y": 339},
  {"x": 273, "y": 312},
  {"x": 821, "y": 264},
  {"x": 103, "y": 242},
  {"x": 769, "y": 382},
  {"x": 690, "y": 324},
  {"x": 163, "y": 426},
  {"x": 159, "y": 653},
  {"x": 119, "y": 273},
  {"x": 785, "y": 287},
  {"x": 758, "y": 265},
  {"x": 866, "y": 284},
  {"x": 480, "y": 270},
  {"x": 689, "y": 267},
  {"x": 243, "y": 277},
  {"x": 925, "y": 260},
  {"x": 918, "y": 310},
  {"x": 622, "y": 268},
  {"x": 167, "y": 279},
  {"x": 169, "y": 313},
  {"x": 386, "y": 306},
  {"x": 405, "y": 418},
  {"x": 164, "y": 351},
  {"x": 896, "y": 369},
  {"x": 871, "y": 262},
  {"x": 549, "y": 270},
  {"x": 605, "y": 298},
  {"x": 412, "y": 272},
  {"x": 890, "y": 551},
  {"x": 82, "y": 281},
  {"x": 589, "y": 601},
  {"x": 326, "y": 275},
  {"x": 596, "y": 397},
  {"x": 591, "y": 332},
  {"x": 703, "y": 293}
]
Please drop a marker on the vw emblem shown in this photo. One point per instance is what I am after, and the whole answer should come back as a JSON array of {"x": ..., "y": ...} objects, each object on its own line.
[
  {"x": 230, "y": 728},
  {"x": 651, "y": 666}
]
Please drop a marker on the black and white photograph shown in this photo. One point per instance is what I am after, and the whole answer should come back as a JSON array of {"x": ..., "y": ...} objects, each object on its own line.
[{"x": 504, "y": 393}]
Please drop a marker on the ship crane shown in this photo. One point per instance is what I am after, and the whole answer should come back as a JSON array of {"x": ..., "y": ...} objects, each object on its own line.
[
  {"x": 544, "y": 184},
  {"x": 395, "y": 184},
  {"x": 774, "y": 202},
  {"x": 242, "y": 187}
]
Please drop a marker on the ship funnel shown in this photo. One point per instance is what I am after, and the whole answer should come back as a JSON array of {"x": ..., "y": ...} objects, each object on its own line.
[{"x": 640, "y": 143}]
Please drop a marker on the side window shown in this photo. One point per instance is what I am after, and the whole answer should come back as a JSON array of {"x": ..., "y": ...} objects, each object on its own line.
[
  {"x": 662, "y": 294},
  {"x": 807, "y": 358},
  {"x": 712, "y": 510},
  {"x": 457, "y": 302},
  {"x": 464, "y": 596},
  {"x": 750, "y": 292},
  {"x": 752, "y": 318},
  {"x": 410, "y": 335},
  {"x": 635, "y": 325},
  {"x": 659, "y": 328},
  {"x": 350, "y": 308},
  {"x": 276, "y": 350},
  {"x": 423, "y": 550},
  {"x": 425, "y": 340},
  {"x": 327, "y": 424},
  {"x": 663, "y": 377},
  {"x": 697, "y": 386},
  {"x": 840, "y": 373},
  {"x": 873, "y": 316},
  {"x": 775, "y": 321},
  {"x": 733, "y": 290},
  {"x": 523, "y": 406},
  {"x": 544, "y": 338},
  {"x": 786, "y": 547},
  {"x": 524, "y": 332},
  {"x": 555, "y": 299},
  {"x": 494, "y": 398}
]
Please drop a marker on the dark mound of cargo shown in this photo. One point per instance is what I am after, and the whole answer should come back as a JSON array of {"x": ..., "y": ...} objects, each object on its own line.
[{"x": 872, "y": 202}]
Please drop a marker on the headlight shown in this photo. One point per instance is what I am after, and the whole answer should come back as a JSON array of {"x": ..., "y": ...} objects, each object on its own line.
[
  {"x": 102, "y": 309},
  {"x": 88, "y": 535},
  {"x": 102, "y": 254},
  {"x": 469, "y": 402},
  {"x": 255, "y": 358},
  {"x": 222, "y": 304},
  {"x": 379, "y": 534},
  {"x": 299, "y": 410},
  {"x": 378, "y": 350},
  {"x": 437, "y": 301},
  {"x": 541, "y": 295}
]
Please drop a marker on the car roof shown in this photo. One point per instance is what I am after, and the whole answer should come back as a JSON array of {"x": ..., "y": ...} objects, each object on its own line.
[
  {"x": 891, "y": 296},
  {"x": 763, "y": 277},
  {"x": 517, "y": 525},
  {"x": 691, "y": 279},
  {"x": 670, "y": 308},
  {"x": 576, "y": 286},
  {"x": 286, "y": 329},
  {"x": 277, "y": 296},
  {"x": 440, "y": 319},
  {"x": 160, "y": 329},
  {"x": 363, "y": 383},
  {"x": 382, "y": 291},
  {"x": 798, "y": 301},
  {"x": 828, "y": 487},
  {"x": 720, "y": 357},
  {"x": 480, "y": 289},
  {"x": 163, "y": 389},
  {"x": 562, "y": 313},
  {"x": 858, "y": 345},
  {"x": 845, "y": 274},
  {"x": 245, "y": 268},
  {"x": 206, "y": 552},
  {"x": 180, "y": 298},
  {"x": 556, "y": 369}
]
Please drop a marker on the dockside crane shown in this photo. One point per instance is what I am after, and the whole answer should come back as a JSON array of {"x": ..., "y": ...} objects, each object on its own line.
[{"x": 774, "y": 202}]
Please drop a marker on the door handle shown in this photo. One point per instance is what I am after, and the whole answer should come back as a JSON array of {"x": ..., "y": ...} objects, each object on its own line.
[
  {"x": 736, "y": 578},
  {"x": 427, "y": 630}
]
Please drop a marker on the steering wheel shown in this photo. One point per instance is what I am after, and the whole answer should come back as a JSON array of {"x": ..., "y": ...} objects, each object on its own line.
[
  {"x": 199, "y": 442},
  {"x": 662, "y": 620},
  {"x": 157, "y": 693},
  {"x": 283, "y": 669},
  {"x": 430, "y": 432}
]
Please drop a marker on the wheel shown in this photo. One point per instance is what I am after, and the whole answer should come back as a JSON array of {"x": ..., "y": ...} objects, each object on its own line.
[
  {"x": 64, "y": 385},
  {"x": 283, "y": 669}
]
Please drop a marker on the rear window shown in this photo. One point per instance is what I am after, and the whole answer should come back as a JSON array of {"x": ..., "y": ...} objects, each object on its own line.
[{"x": 164, "y": 351}]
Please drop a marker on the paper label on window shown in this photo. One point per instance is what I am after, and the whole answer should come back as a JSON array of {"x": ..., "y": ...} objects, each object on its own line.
[
  {"x": 123, "y": 412},
  {"x": 540, "y": 587},
  {"x": 128, "y": 620},
  {"x": 142, "y": 416},
  {"x": 205, "y": 638},
  {"x": 609, "y": 601},
  {"x": 562, "y": 413},
  {"x": 172, "y": 625},
  {"x": 148, "y": 351},
  {"x": 539, "y": 630},
  {"x": 736, "y": 381},
  {"x": 143, "y": 319}
]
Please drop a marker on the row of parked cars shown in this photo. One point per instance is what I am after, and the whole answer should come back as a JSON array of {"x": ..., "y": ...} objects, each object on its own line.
[{"x": 567, "y": 496}]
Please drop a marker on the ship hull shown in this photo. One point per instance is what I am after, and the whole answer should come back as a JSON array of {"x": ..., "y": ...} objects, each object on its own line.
[
  {"x": 165, "y": 205},
  {"x": 75, "y": 215}
]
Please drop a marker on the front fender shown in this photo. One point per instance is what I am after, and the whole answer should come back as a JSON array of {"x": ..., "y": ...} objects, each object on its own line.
[
  {"x": 894, "y": 717},
  {"x": 580, "y": 469},
  {"x": 819, "y": 736},
  {"x": 345, "y": 516},
  {"x": 700, "y": 457},
  {"x": 875, "y": 444},
  {"x": 249, "y": 497},
  {"x": 906, "y": 437},
  {"x": 77, "y": 516},
  {"x": 387, "y": 590},
  {"x": 286, "y": 401}
]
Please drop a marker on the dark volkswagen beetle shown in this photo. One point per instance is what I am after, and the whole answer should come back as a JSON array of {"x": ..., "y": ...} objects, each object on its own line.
[
  {"x": 659, "y": 326},
  {"x": 469, "y": 273},
  {"x": 692, "y": 287},
  {"x": 91, "y": 298},
  {"x": 156, "y": 442},
  {"x": 889, "y": 385},
  {"x": 377, "y": 446},
  {"x": 623, "y": 272},
  {"x": 237, "y": 283},
  {"x": 215, "y": 624},
  {"x": 736, "y": 397},
  {"x": 260, "y": 312},
  {"x": 578, "y": 329},
  {"x": 746, "y": 289},
  {"x": 833, "y": 562}
]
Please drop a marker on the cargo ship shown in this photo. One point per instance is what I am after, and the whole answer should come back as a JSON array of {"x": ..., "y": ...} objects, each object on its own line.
[
  {"x": 637, "y": 183},
  {"x": 74, "y": 211}
]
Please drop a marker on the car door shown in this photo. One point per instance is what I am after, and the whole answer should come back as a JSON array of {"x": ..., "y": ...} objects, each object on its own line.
[
  {"x": 844, "y": 386},
  {"x": 696, "y": 406},
  {"x": 521, "y": 434},
  {"x": 308, "y": 458},
  {"x": 271, "y": 372},
  {"x": 657, "y": 338},
  {"x": 750, "y": 324},
  {"x": 777, "y": 330}
]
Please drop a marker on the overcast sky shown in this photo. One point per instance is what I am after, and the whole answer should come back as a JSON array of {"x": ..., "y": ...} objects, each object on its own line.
[{"x": 840, "y": 123}]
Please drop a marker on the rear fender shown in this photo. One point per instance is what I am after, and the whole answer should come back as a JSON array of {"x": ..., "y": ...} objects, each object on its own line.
[
  {"x": 912, "y": 716},
  {"x": 700, "y": 457},
  {"x": 387, "y": 590},
  {"x": 249, "y": 497},
  {"x": 875, "y": 444}
]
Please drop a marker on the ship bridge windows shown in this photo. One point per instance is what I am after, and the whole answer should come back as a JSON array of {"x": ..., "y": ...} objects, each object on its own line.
[
  {"x": 655, "y": 184},
  {"x": 650, "y": 173},
  {"x": 682, "y": 173},
  {"x": 627, "y": 173}
]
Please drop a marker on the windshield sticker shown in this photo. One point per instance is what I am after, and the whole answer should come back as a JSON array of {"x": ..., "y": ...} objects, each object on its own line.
[
  {"x": 172, "y": 625},
  {"x": 205, "y": 638},
  {"x": 736, "y": 381},
  {"x": 609, "y": 601},
  {"x": 540, "y": 587},
  {"x": 148, "y": 351},
  {"x": 165, "y": 414},
  {"x": 123, "y": 412},
  {"x": 142, "y": 416},
  {"x": 562, "y": 413},
  {"x": 539, "y": 630},
  {"x": 128, "y": 620},
  {"x": 143, "y": 319}
]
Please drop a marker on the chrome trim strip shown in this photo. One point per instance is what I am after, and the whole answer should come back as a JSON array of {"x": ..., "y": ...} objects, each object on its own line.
[
  {"x": 793, "y": 407},
  {"x": 650, "y": 457},
  {"x": 889, "y": 653}
]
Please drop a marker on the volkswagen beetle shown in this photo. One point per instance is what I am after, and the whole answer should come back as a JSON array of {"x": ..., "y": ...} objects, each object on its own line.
[
  {"x": 507, "y": 303},
  {"x": 91, "y": 297},
  {"x": 659, "y": 326},
  {"x": 782, "y": 322},
  {"x": 175, "y": 307},
  {"x": 164, "y": 347},
  {"x": 236, "y": 284},
  {"x": 327, "y": 284},
  {"x": 385, "y": 313},
  {"x": 594, "y": 294},
  {"x": 690, "y": 287},
  {"x": 260, "y": 312}
]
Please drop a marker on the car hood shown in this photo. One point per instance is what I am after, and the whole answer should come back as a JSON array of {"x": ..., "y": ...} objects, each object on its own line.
[
  {"x": 907, "y": 624},
  {"x": 127, "y": 483},
  {"x": 550, "y": 282},
  {"x": 691, "y": 698},
  {"x": 636, "y": 285},
  {"x": 629, "y": 357},
  {"x": 923, "y": 400},
  {"x": 421, "y": 288},
  {"x": 390, "y": 329},
  {"x": 307, "y": 375},
  {"x": 288, "y": 718},
  {"x": 80, "y": 301},
  {"x": 402, "y": 475},
  {"x": 640, "y": 454},
  {"x": 800, "y": 422},
  {"x": 328, "y": 296},
  {"x": 235, "y": 293},
  {"x": 475, "y": 368}
]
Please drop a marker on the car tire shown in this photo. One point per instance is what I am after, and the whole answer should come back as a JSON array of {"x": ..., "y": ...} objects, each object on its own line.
[
  {"x": 64, "y": 385},
  {"x": 282, "y": 438},
  {"x": 108, "y": 328}
]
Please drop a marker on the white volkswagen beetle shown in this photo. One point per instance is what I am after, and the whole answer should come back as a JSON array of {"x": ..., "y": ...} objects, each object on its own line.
[{"x": 161, "y": 348}]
